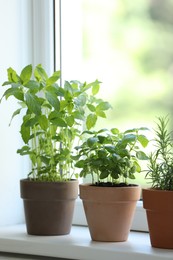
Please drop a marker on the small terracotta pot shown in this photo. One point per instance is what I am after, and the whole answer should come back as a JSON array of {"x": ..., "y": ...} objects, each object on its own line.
[
  {"x": 158, "y": 205},
  {"x": 109, "y": 211},
  {"x": 48, "y": 206}
]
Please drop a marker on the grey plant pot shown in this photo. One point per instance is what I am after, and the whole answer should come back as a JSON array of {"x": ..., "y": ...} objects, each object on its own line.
[{"x": 48, "y": 206}]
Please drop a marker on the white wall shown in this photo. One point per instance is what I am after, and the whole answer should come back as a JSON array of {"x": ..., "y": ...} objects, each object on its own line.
[{"x": 25, "y": 38}]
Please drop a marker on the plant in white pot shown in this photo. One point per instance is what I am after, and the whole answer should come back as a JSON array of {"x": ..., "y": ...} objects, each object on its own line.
[
  {"x": 52, "y": 119},
  {"x": 111, "y": 158},
  {"x": 158, "y": 199}
]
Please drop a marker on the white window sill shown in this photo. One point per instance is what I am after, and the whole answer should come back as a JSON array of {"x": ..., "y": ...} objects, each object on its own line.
[{"x": 78, "y": 245}]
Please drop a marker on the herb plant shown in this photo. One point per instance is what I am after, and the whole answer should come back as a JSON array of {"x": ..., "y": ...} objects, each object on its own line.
[
  {"x": 52, "y": 118},
  {"x": 111, "y": 156},
  {"x": 160, "y": 166}
]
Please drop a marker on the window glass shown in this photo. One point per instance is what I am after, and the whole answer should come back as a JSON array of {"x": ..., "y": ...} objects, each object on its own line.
[{"x": 127, "y": 45}]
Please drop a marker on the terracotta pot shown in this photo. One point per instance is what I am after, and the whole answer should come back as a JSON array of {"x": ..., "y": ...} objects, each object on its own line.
[
  {"x": 109, "y": 211},
  {"x": 48, "y": 206},
  {"x": 158, "y": 205}
]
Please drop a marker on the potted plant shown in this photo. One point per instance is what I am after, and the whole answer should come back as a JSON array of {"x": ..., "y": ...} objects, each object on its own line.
[
  {"x": 158, "y": 199},
  {"x": 111, "y": 158},
  {"x": 52, "y": 119}
]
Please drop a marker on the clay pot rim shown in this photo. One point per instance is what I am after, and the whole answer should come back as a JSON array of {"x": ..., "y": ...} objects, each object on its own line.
[{"x": 156, "y": 190}]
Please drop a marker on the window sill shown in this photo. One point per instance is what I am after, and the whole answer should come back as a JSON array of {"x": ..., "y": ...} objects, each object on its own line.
[{"x": 78, "y": 245}]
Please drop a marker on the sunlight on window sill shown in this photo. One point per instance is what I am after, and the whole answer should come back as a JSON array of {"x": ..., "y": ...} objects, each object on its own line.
[{"x": 78, "y": 245}]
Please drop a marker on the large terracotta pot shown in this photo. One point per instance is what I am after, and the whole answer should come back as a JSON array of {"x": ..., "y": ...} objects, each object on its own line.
[
  {"x": 159, "y": 209},
  {"x": 109, "y": 211},
  {"x": 48, "y": 206}
]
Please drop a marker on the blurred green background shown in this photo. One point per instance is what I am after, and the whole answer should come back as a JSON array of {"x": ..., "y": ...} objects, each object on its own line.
[{"x": 128, "y": 45}]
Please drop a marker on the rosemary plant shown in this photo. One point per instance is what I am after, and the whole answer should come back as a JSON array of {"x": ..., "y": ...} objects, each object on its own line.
[{"x": 160, "y": 166}]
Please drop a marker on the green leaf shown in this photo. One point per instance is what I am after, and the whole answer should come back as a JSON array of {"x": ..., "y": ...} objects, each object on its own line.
[
  {"x": 19, "y": 95},
  {"x": 91, "y": 121},
  {"x": 110, "y": 148},
  {"x": 33, "y": 86},
  {"x": 70, "y": 107},
  {"x": 95, "y": 89},
  {"x": 40, "y": 73},
  {"x": 68, "y": 87},
  {"x": 26, "y": 74},
  {"x": 70, "y": 120},
  {"x": 45, "y": 160},
  {"x": 14, "y": 91},
  {"x": 103, "y": 106},
  {"x": 53, "y": 115},
  {"x": 103, "y": 130},
  {"x": 6, "y": 83},
  {"x": 33, "y": 158},
  {"x": 101, "y": 113},
  {"x": 115, "y": 174},
  {"x": 85, "y": 86},
  {"x": 131, "y": 176},
  {"x": 53, "y": 100},
  {"x": 141, "y": 155},
  {"x": 24, "y": 150},
  {"x": 63, "y": 104},
  {"x": 102, "y": 154},
  {"x": 78, "y": 115},
  {"x": 115, "y": 131},
  {"x": 104, "y": 175},
  {"x": 12, "y": 75},
  {"x": 144, "y": 128},
  {"x": 131, "y": 130},
  {"x": 58, "y": 122},
  {"x": 43, "y": 122},
  {"x": 138, "y": 167},
  {"x": 75, "y": 157},
  {"x": 25, "y": 133},
  {"x": 30, "y": 122},
  {"x": 124, "y": 153},
  {"x": 33, "y": 103},
  {"x": 101, "y": 138},
  {"x": 81, "y": 100},
  {"x": 53, "y": 78},
  {"x": 91, "y": 107},
  {"x": 143, "y": 140},
  {"x": 129, "y": 138},
  {"x": 83, "y": 173},
  {"x": 17, "y": 112},
  {"x": 91, "y": 141},
  {"x": 80, "y": 164}
]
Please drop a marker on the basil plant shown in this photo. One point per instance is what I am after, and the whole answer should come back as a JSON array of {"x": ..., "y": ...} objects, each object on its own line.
[
  {"x": 111, "y": 157},
  {"x": 53, "y": 118}
]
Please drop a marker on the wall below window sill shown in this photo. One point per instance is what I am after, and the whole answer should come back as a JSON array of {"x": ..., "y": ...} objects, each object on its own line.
[{"x": 78, "y": 245}]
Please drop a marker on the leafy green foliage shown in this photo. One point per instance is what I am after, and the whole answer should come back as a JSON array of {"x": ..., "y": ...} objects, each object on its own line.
[
  {"x": 53, "y": 118},
  {"x": 111, "y": 155},
  {"x": 160, "y": 166}
]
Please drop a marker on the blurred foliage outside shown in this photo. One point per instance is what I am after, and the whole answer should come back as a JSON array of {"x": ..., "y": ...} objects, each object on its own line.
[{"x": 128, "y": 45}]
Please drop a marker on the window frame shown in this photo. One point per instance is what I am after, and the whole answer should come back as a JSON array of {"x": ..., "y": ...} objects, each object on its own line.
[
  {"x": 42, "y": 12},
  {"x": 139, "y": 222}
]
